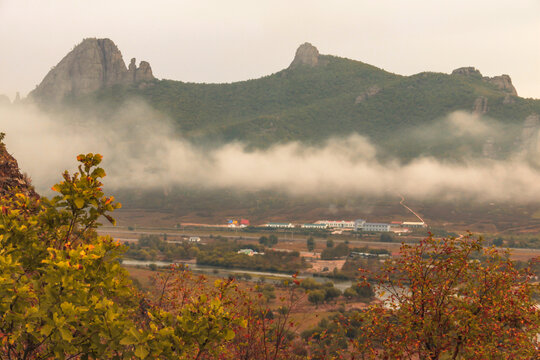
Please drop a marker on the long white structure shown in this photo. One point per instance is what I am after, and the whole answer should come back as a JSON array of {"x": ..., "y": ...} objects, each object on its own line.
[
  {"x": 337, "y": 224},
  {"x": 377, "y": 227},
  {"x": 314, "y": 226},
  {"x": 413, "y": 224},
  {"x": 359, "y": 224},
  {"x": 280, "y": 225}
]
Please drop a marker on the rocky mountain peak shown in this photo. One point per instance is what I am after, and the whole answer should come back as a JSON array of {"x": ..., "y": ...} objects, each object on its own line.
[
  {"x": 90, "y": 66},
  {"x": 503, "y": 82},
  {"x": 306, "y": 54},
  {"x": 467, "y": 71}
]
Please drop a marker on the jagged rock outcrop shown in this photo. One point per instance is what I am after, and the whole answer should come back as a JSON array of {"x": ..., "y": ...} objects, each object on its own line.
[
  {"x": 11, "y": 179},
  {"x": 307, "y": 55},
  {"x": 467, "y": 71},
  {"x": 480, "y": 106},
  {"x": 372, "y": 91},
  {"x": 90, "y": 66},
  {"x": 509, "y": 99},
  {"x": 503, "y": 82},
  {"x": 141, "y": 73}
]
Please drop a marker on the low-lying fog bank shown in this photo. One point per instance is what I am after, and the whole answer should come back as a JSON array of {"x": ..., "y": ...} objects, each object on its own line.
[{"x": 140, "y": 151}]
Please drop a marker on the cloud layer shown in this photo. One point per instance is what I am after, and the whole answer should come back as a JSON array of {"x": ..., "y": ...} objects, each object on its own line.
[{"x": 141, "y": 152}]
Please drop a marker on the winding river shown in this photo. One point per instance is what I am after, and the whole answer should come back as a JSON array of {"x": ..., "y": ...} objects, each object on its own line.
[{"x": 226, "y": 272}]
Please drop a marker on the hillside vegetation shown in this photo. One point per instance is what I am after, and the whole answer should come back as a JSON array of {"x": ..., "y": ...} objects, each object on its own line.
[{"x": 312, "y": 103}]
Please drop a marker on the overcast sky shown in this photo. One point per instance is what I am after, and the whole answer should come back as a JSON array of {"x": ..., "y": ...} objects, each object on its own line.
[{"x": 225, "y": 41}]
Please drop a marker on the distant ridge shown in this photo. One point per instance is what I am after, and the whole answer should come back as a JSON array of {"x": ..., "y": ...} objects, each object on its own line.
[
  {"x": 315, "y": 98},
  {"x": 503, "y": 82}
]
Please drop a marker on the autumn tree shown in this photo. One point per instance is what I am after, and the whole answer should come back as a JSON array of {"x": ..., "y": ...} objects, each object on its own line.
[
  {"x": 451, "y": 299},
  {"x": 64, "y": 294},
  {"x": 244, "y": 328}
]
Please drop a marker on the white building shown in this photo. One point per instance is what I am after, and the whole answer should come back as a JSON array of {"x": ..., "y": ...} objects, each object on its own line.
[
  {"x": 337, "y": 224},
  {"x": 314, "y": 226},
  {"x": 378, "y": 227},
  {"x": 194, "y": 239},
  {"x": 413, "y": 224},
  {"x": 359, "y": 224},
  {"x": 280, "y": 225}
]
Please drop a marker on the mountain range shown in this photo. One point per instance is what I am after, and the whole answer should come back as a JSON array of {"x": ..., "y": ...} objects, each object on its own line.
[
  {"x": 315, "y": 98},
  {"x": 452, "y": 117}
]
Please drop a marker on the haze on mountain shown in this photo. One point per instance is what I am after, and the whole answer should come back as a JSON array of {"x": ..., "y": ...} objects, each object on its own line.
[
  {"x": 317, "y": 97},
  {"x": 323, "y": 129}
]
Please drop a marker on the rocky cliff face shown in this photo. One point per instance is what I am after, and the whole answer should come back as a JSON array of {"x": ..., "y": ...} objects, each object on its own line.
[
  {"x": 11, "y": 179},
  {"x": 480, "y": 106},
  {"x": 503, "y": 82},
  {"x": 141, "y": 73},
  {"x": 306, "y": 54},
  {"x": 467, "y": 71},
  {"x": 370, "y": 92},
  {"x": 90, "y": 66}
]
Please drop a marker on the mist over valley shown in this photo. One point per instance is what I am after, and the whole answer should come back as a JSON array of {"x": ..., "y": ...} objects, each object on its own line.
[{"x": 324, "y": 131}]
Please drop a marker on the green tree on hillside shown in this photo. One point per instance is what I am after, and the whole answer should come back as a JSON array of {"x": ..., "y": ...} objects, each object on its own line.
[
  {"x": 386, "y": 237},
  {"x": 310, "y": 243},
  {"x": 272, "y": 240}
]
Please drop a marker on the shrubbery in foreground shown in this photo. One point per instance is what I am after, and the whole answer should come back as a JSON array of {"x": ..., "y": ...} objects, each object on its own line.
[{"x": 64, "y": 295}]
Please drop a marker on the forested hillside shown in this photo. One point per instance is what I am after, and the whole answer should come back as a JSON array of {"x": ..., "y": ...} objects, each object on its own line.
[{"x": 333, "y": 96}]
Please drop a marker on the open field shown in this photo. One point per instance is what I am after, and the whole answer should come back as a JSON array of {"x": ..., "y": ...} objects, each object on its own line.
[
  {"x": 214, "y": 207},
  {"x": 287, "y": 240}
]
